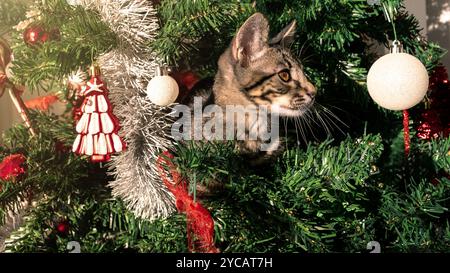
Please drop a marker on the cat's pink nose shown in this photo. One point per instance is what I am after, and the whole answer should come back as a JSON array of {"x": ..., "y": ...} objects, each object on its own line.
[{"x": 310, "y": 90}]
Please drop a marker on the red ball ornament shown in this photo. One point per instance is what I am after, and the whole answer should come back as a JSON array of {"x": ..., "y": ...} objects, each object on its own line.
[
  {"x": 63, "y": 227},
  {"x": 186, "y": 81},
  {"x": 35, "y": 35},
  {"x": 98, "y": 127},
  {"x": 189, "y": 79}
]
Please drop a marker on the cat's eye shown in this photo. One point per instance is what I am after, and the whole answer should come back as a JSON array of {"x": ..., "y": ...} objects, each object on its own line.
[{"x": 284, "y": 75}]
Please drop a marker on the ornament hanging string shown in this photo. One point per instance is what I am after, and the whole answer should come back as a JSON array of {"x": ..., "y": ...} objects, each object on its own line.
[
  {"x": 200, "y": 224},
  {"x": 389, "y": 13}
]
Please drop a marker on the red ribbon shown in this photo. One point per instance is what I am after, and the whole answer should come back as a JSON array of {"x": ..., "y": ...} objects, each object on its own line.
[
  {"x": 406, "y": 138},
  {"x": 200, "y": 224},
  {"x": 41, "y": 103}
]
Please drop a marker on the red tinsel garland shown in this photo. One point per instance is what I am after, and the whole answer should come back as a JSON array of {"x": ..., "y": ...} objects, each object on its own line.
[
  {"x": 200, "y": 224},
  {"x": 11, "y": 166},
  {"x": 406, "y": 138},
  {"x": 434, "y": 120}
]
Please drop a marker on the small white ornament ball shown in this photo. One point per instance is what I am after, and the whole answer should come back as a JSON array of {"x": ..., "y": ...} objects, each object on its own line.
[
  {"x": 397, "y": 81},
  {"x": 162, "y": 90}
]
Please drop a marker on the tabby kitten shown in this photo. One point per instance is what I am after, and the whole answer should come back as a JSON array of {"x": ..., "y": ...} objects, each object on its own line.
[{"x": 261, "y": 72}]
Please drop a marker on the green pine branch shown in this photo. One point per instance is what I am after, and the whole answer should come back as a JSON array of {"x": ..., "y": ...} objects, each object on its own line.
[{"x": 78, "y": 38}]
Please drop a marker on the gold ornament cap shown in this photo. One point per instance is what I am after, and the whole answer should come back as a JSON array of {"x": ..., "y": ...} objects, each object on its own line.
[{"x": 94, "y": 70}]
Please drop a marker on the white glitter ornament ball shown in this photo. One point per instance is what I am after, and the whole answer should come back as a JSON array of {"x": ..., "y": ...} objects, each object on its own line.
[
  {"x": 397, "y": 81},
  {"x": 162, "y": 90}
]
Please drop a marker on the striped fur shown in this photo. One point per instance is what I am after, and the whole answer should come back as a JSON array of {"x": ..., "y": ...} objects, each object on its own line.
[{"x": 251, "y": 72}]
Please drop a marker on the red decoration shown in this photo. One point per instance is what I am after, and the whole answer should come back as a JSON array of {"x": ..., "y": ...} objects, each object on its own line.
[
  {"x": 41, "y": 103},
  {"x": 97, "y": 128},
  {"x": 12, "y": 166},
  {"x": 439, "y": 76},
  {"x": 189, "y": 79},
  {"x": 63, "y": 227},
  {"x": 406, "y": 137},
  {"x": 430, "y": 125},
  {"x": 34, "y": 35},
  {"x": 186, "y": 81},
  {"x": 200, "y": 224},
  {"x": 434, "y": 120}
]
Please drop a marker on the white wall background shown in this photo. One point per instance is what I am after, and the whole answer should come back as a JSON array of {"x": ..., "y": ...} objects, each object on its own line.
[{"x": 433, "y": 16}]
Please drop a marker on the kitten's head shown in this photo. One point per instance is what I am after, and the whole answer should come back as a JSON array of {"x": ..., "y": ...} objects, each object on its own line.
[{"x": 265, "y": 70}]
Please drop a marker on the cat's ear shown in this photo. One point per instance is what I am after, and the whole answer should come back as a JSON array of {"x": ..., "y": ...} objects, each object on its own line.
[
  {"x": 251, "y": 39},
  {"x": 286, "y": 37}
]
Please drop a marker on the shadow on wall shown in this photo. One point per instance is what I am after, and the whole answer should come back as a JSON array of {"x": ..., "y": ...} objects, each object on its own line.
[{"x": 438, "y": 22}]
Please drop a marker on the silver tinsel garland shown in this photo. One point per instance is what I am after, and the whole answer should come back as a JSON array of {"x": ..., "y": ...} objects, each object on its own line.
[
  {"x": 145, "y": 127},
  {"x": 14, "y": 219}
]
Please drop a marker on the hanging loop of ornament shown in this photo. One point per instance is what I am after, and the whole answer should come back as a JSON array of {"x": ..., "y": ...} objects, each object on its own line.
[
  {"x": 163, "y": 70},
  {"x": 396, "y": 47},
  {"x": 94, "y": 70}
]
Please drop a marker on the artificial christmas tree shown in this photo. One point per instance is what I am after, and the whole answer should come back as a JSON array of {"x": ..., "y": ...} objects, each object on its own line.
[{"x": 327, "y": 192}]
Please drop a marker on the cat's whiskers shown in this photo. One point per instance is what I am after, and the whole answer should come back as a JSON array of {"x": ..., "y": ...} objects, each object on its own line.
[
  {"x": 306, "y": 118},
  {"x": 286, "y": 132},
  {"x": 304, "y": 46},
  {"x": 332, "y": 116},
  {"x": 310, "y": 114},
  {"x": 296, "y": 131},
  {"x": 316, "y": 116},
  {"x": 298, "y": 121},
  {"x": 327, "y": 116},
  {"x": 323, "y": 122},
  {"x": 304, "y": 60}
]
